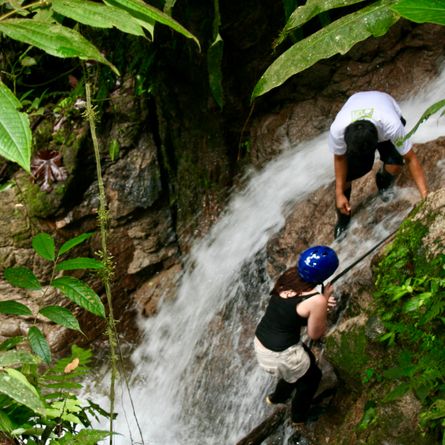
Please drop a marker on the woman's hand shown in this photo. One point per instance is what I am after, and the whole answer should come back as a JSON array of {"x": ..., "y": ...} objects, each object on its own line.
[{"x": 329, "y": 295}]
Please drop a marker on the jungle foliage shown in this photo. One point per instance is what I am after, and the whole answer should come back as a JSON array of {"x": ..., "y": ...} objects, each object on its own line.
[
  {"x": 45, "y": 410},
  {"x": 340, "y": 35},
  {"x": 411, "y": 303},
  {"x": 40, "y": 24},
  {"x": 38, "y": 403}
]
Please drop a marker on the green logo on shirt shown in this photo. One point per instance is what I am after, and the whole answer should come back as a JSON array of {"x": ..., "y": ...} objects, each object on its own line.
[{"x": 365, "y": 113}]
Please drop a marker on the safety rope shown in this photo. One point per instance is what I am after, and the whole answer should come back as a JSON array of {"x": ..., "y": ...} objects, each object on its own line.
[{"x": 357, "y": 261}]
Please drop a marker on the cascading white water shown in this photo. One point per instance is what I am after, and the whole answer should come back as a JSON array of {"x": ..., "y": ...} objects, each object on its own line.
[{"x": 190, "y": 387}]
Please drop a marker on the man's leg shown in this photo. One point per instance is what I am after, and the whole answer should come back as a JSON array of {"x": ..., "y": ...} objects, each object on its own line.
[
  {"x": 358, "y": 166},
  {"x": 392, "y": 166}
]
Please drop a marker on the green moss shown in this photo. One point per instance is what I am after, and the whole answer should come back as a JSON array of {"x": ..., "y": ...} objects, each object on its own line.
[
  {"x": 39, "y": 204},
  {"x": 348, "y": 353},
  {"x": 390, "y": 423}
]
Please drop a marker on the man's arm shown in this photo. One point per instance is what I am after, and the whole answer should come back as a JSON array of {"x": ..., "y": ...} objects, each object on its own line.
[
  {"x": 416, "y": 171},
  {"x": 341, "y": 169}
]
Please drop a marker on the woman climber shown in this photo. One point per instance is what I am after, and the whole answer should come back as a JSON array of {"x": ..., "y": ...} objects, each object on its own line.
[{"x": 296, "y": 303}]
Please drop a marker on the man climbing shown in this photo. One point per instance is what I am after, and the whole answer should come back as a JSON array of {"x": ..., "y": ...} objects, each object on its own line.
[{"x": 369, "y": 121}]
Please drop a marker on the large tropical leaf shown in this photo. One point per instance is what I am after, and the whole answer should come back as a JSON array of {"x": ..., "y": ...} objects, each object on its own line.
[
  {"x": 146, "y": 12},
  {"x": 421, "y": 11},
  {"x": 15, "y": 385},
  {"x": 15, "y": 132},
  {"x": 338, "y": 37},
  {"x": 310, "y": 9},
  {"x": 80, "y": 293},
  {"x": 97, "y": 15},
  {"x": 55, "y": 39}
]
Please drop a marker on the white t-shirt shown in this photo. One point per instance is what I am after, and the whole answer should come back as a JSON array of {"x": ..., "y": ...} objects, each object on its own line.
[{"x": 374, "y": 106}]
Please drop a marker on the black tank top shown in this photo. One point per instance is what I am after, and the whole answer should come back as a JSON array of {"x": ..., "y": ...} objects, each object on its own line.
[{"x": 280, "y": 326}]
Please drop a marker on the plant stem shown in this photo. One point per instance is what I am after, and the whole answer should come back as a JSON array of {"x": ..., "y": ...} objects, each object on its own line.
[
  {"x": 103, "y": 220},
  {"x": 30, "y": 6}
]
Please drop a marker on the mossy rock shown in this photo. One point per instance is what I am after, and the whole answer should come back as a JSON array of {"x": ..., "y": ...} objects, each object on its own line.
[
  {"x": 346, "y": 350},
  {"x": 38, "y": 203},
  {"x": 392, "y": 422}
]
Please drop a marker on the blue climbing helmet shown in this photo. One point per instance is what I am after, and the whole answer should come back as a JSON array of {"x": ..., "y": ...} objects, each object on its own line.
[{"x": 317, "y": 263}]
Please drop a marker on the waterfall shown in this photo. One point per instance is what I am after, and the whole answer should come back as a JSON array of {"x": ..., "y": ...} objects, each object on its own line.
[{"x": 195, "y": 380}]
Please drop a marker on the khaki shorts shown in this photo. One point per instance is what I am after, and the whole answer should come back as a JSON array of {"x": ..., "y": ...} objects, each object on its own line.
[{"x": 289, "y": 365}]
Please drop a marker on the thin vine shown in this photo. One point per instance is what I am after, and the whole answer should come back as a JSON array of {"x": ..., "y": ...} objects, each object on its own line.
[{"x": 90, "y": 115}]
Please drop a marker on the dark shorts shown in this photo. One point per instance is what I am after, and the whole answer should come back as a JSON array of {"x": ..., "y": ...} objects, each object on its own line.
[{"x": 361, "y": 164}]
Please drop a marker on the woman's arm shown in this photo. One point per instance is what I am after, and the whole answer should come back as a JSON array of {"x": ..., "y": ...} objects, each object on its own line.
[{"x": 315, "y": 309}]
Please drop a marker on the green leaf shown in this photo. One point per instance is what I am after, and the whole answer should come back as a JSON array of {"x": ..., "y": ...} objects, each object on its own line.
[
  {"x": 168, "y": 6},
  {"x": 61, "y": 316},
  {"x": 369, "y": 417},
  {"x": 11, "y": 342},
  {"x": 397, "y": 392},
  {"x": 414, "y": 303},
  {"x": 6, "y": 424},
  {"x": 97, "y": 15},
  {"x": 435, "y": 411},
  {"x": 421, "y": 11},
  {"x": 80, "y": 293},
  {"x": 44, "y": 245},
  {"x": 338, "y": 37},
  {"x": 15, "y": 358},
  {"x": 302, "y": 14},
  {"x": 15, "y": 385},
  {"x": 114, "y": 149},
  {"x": 433, "y": 109},
  {"x": 80, "y": 263},
  {"x": 147, "y": 13},
  {"x": 83, "y": 437},
  {"x": 54, "y": 39},
  {"x": 39, "y": 344},
  {"x": 214, "y": 63},
  {"x": 11, "y": 307},
  {"x": 73, "y": 242},
  {"x": 21, "y": 276},
  {"x": 15, "y": 131}
]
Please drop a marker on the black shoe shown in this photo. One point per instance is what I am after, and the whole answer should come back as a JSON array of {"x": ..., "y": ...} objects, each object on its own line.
[
  {"x": 385, "y": 183},
  {"x": 342, "y": 224},
  {"x": 386, "y": 195},
  {"x": 339, "y": 231},
  {"x": 298, "y": 439},
  {"x": 270, "y": 400}
]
